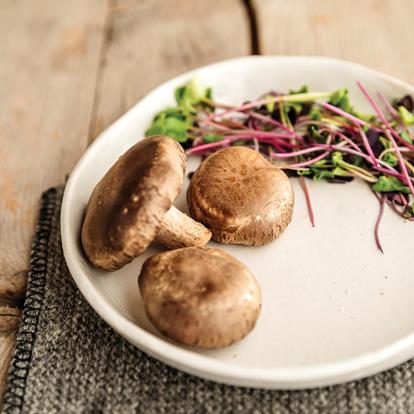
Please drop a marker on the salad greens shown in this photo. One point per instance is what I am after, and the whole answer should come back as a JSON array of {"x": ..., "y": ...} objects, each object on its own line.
[{"x": 316, "y": 135}]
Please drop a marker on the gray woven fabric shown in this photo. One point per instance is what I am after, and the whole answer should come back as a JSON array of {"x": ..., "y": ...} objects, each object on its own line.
[{"x": 68, "y": 360}]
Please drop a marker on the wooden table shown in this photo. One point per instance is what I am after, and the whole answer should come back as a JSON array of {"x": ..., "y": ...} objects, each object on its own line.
[{"x": 69, "y": 69}]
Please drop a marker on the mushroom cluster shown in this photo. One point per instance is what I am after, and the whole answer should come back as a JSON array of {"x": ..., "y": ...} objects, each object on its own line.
[{"x": 198, "y": 296}]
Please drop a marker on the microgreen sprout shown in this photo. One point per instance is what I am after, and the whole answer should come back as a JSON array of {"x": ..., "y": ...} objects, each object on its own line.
[{"x": 314, "y": 135}]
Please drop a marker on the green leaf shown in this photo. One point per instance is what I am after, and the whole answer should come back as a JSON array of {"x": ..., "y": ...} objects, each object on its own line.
[
  {"x": 387, "y": 184},
  {"x": 190, "y": 95},
  {"x": 386, "y": 143},
  {"x": 179, "y": 94},
  {"x": 406, "y": 116},
  {"x": 154, "y": 130},
  {"x": 314, "y": 133},
  {"x": 176, "y": 128},
  {"x": 209, "y": 93},
  {"x": 391, "y": 159},
  {"x": 340, "y": 98},
  {"x": 180, "y": 136},
  {"x": 270, "y": 106},
  {"x": 315, "y": 113},
  {"x": 364, "y": 117},
  {"x": 172, "y": 122},
  {"x": 322, "y": 174},
  {"x": 209, "y": 138},
  {"x": 302, "y": 89},
  {"x": 340, "y": 172},
  {"x": 320, "y": 163},
  {"x": 174, "y": 113},
  {"x": 357, "y": 161},
  {"x": 175, "y": 123},
  {"x": 337, "y": 158},
  {"x": 412, "y": 208},
  {"x": 297, "y": 107},
  {"x": 304, "y": 172},
  {"x": 406, "y": 137}
]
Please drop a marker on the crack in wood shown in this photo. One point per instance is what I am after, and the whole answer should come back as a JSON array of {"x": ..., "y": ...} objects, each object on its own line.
[
  {"x": 107, "y": 37},
  {"x": 11, "y": 315},
  {"x": 255, "y": 48},
  {"x": 13, "y": 289}
]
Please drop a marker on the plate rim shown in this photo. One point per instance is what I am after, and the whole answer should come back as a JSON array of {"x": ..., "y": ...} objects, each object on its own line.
[{"x": 200, "y": 365}]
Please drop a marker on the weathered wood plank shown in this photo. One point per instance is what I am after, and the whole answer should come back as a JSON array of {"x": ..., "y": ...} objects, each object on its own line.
[
  {"x": 13, "y": 288},
  {"x": 6, "y": 349},
  {"x": 48, "y": 72},
  {"x": 9, "y": 319},
  {"x": 371, "y": 32},
  {"x": 150, "y": 41},
  {"x": 48, "y": 69}
]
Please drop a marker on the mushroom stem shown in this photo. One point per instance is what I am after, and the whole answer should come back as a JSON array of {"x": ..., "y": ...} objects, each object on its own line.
[{"x": 179, "y": 230}]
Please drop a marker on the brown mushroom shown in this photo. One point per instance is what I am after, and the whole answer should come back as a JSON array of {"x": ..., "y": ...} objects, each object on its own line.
[
  {"x": 200, "y": 297},
  {"x": 241, "y": 197},
  {"x": 132, "y": 204}
]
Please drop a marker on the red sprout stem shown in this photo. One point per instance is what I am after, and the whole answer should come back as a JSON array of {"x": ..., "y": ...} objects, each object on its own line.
[
  {"x": 401, "y": 162},
  {"x": 400, "y": 209},
  {"x": 389, "y": 132},
  {"x": 241, "y": 108},
  {"x": 311, "y": 161},
  {"x": 261, "y": 102},
  {"x": 394, "y": 173},
  {"x": 252, "y": 124},
  {"x": 304, "y": 186},
  {"x": 342, "y": 113},
  {"x": 231, "y": 138},
  {"x": 400, "y": 198},
  {"x": 231, "y": 123},
  {"x": 254, "y": 133},
  {"x": 271, "y": 121},
  {"x": 373, "y": 104},
  {"x": 207, "y": 147},
  {"x": 382, "y": 117},
  {"x": 394, "y": 207},
  {"x": 297, "y": 153},
  {"x": 349, "y": 141},
  {"x": 281, "y": 143},
  {"x": 216, "y": 125},
  {"x": 393, "y": 112},
  {"x": 381, "y": 200},
  {"x": 368, "y": 147}
]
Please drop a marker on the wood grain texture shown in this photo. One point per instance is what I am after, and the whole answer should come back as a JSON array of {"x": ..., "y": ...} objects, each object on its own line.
[
  {"x": 9, "y": 319},
  {"x": 376, "y": 33},
  {"x": 48, "y": 69},
  {"x": 148, "y": 42},
  {"x": 6, "y": 349},
  {"x": 13, "y": 288}
]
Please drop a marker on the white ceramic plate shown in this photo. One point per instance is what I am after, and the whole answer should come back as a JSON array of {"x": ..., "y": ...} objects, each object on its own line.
[{"x": 334, "y": 308}]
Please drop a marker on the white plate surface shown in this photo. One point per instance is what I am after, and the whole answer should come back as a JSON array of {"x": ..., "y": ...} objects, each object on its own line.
[{"x": 334, "y": 308}]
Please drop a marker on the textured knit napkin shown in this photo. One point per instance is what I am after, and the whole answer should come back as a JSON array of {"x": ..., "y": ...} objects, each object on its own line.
[{"x": 67, "y": 360}]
